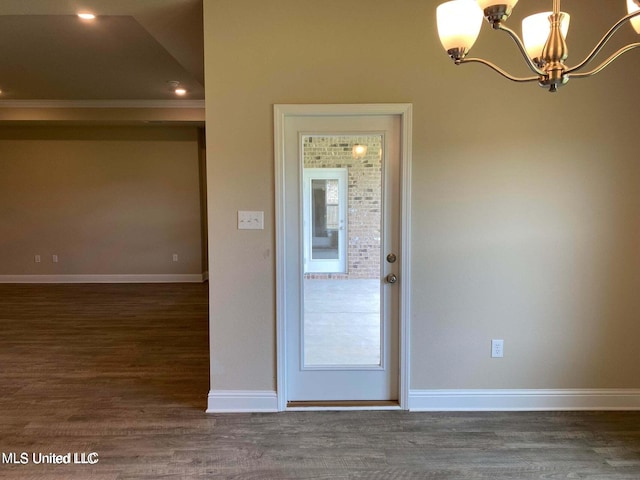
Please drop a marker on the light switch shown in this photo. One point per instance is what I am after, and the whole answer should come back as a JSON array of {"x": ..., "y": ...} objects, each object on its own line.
[{"x": 250, "y": 220}]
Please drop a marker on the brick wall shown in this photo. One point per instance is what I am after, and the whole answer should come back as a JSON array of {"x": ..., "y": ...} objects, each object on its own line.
[{"x": 364, "y": 192}]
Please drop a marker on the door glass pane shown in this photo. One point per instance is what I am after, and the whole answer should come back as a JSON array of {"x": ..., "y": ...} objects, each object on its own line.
[
  {"x": 341, "y": 323},
  {"x": 324, "y": 219}
]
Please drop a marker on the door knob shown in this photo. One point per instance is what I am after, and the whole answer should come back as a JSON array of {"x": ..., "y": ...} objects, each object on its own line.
[{"x": 391, "y": 278}]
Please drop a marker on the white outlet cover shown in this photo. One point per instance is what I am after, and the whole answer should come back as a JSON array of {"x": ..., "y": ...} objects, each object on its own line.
[{"x": 497, "y": 348}]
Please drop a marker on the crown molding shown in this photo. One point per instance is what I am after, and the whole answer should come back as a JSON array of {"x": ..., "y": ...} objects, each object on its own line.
[{"x": 184, "y": 104}]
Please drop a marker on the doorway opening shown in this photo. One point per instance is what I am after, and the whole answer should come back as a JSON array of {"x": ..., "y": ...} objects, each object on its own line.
[{"x": 342, "y": 239}]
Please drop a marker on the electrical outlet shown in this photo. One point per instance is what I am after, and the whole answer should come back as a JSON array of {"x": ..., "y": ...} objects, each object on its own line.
[
  {"x": 497, "y": 348},
  {"x": 54, "y": 258},
  {"x": 37, "y": 259},
  {"x": 175, "y": 257}
]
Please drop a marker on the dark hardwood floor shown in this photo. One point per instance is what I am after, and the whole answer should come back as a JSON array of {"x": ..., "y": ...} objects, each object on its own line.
[{"x": 122, "y": 370}]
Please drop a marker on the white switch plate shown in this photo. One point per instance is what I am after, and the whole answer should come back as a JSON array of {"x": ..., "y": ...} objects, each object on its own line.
[{"x": 250, "y": 220}]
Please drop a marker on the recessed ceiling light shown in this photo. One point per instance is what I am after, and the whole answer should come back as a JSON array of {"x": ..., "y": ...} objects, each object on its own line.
[
  {"x": 86, "y": 16},
  {"x": 177, "y": 88}
]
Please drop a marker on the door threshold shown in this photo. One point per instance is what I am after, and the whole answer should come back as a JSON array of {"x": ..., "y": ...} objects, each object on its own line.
[{"x": 344, "y": 405}]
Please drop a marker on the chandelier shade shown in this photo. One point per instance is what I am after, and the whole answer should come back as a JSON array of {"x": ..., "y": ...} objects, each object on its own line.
[
  {"x": 543, "y": 44},
  {"x": 484, "y": 4},
  {"x": 459, "y": 23},
  {"x": 632, "y": 7}
]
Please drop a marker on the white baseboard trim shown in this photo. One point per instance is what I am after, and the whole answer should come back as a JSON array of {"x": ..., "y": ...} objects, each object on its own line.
[
  {"x": 524, "y": 400},
  {"x": 143, "y": 278},
  {"x": 236, "y": 401}
]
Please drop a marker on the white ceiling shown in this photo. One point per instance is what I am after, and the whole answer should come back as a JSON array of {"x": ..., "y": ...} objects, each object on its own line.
[{"x": 129, "y": 52}]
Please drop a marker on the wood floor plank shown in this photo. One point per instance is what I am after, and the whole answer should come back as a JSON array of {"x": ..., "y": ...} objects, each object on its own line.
[{"x": 122, "y": 370}]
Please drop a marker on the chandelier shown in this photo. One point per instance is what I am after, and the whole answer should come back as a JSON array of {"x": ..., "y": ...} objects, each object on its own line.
[{"x": 543, "y": 44}]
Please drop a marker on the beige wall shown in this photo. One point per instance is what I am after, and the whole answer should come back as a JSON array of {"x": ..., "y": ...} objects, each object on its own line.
[
  {"x": 526, "y": 205},
  {"x": 106, "y": 200}
]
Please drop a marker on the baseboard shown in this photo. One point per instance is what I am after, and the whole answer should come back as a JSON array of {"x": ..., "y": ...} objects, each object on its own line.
[
  {"x": 143, "y": 278},
  {"x": 524, "y": 400},
  {"x": 230, "y": 401},
  {"x": 235, "y": 401}
]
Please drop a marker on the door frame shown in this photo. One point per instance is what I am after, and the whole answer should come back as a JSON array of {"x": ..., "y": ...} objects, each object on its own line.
[{"x": 404, "y": 111}]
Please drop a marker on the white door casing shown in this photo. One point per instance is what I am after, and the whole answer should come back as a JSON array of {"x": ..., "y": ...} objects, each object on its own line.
[{"x": 339, "y": 119}]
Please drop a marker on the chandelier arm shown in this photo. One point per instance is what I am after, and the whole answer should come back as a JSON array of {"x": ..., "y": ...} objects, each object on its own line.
[
  {"x": 499, "y": 70},
  {"x": 606, "y": 63},
  {"x": 534, "y": 68},
  {"x": 600, "y": 45}
]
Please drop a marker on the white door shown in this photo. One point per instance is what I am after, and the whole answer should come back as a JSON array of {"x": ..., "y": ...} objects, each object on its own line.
[
  {"x": 341, "y": 330},
  {"x": 325, "y": 220}
]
